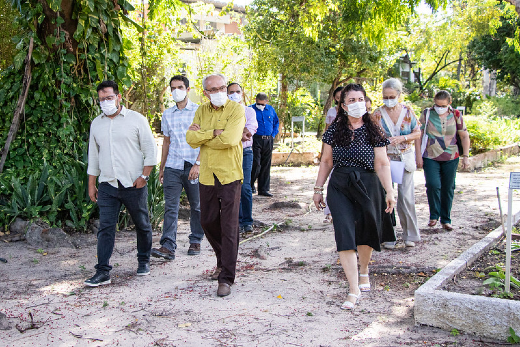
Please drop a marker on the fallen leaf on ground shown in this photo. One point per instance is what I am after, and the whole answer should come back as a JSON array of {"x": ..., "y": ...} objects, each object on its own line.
[{"x": 184, "y": 325}]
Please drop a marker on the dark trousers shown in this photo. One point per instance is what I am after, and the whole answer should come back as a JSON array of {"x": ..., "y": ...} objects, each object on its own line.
[
  {"x": 219, "y": 206},
  {"x": 262, "y": 153},
  {"x": 246, "y": 196},
  {"x": 136, "y": 203},
  {"x": 440, "y": 186}
]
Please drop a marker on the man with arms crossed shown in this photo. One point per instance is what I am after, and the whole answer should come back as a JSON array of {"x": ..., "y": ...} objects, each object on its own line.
[{"x": 217, "y": 129}]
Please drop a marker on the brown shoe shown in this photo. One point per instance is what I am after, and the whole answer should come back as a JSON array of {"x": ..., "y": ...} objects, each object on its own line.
[
  {"x": 163, "y": 252},
  {"x": 432, "y": 223},
  {"x": 447, "y": 226},
  {"x": 214, "y": 275},
  {"x": 224, "y": 289},
  {"x": 194, "y": 249}
]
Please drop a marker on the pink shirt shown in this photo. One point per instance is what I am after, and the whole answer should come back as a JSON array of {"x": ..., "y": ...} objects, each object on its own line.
[{"x": 251, "y": 125}]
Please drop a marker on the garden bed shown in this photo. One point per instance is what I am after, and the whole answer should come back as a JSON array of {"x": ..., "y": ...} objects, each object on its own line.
[
  {"x": 439, "y": 305},
  {"x": 471, "y": 280}
]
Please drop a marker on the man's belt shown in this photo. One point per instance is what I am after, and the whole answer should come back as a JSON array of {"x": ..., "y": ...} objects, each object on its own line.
[{"x": 264, "y": 137}]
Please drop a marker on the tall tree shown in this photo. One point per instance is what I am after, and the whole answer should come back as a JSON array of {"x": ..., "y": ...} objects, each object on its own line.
[
  {"x": 329, "y": 41},
  {"x": 493, "y": 52},
  {"x": 76, "y": 45}
]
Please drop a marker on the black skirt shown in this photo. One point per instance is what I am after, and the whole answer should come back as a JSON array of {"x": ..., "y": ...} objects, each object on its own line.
[{"x": 357, "y": 204}]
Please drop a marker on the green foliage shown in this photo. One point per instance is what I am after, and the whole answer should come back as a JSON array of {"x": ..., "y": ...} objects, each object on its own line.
[
  {"x": 55, "y": 195},
  {"x": 488, "y": 132},
  {"x": 502, "y": 106},
  {"x": 513, "y": 337},
  {"x": 496, "y": 280},
  {"x": 493, "y": 51},
  {"x": 66, "y": 67},
  {"x": 155, "y": 199},
  {"x": 8, "y": 30}
]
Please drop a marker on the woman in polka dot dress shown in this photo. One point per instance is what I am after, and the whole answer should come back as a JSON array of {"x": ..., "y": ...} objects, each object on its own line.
[{"x": 355, "y": 146}]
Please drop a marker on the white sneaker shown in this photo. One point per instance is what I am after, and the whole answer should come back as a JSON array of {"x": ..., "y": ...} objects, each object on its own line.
[
  {"x": 389, "y": 245},
  {"x": 409, "y": 244}
]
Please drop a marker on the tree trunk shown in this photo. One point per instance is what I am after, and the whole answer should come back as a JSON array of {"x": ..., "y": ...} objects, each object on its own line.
[
  {"x": 282, "y": 108},
  {"x": 19, "y": 106}
]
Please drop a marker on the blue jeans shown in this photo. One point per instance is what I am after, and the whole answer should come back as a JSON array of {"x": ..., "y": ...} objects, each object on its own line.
[
  {"x": 440, "y": 186},
  {"x": 136, "y": 203},
  {"x": 173, "y": 182},
  {"x": 246, "y": 197}
]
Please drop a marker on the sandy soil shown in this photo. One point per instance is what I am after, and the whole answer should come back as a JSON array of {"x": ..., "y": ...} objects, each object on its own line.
[{"x": 291, "y": 298}]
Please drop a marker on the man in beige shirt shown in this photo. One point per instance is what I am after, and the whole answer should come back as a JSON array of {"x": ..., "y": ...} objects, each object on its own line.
[
  {"x": 121, "y": 157},
  {"x": 217, "y": 130}
]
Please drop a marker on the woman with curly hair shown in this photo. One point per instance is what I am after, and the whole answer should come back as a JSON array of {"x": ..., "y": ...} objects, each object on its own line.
[{"x": 355, "y": 146}]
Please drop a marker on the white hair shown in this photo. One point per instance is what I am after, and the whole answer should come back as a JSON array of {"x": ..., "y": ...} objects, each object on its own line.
[
  {"x": 393, "y": 83},
  {"x": 213, "y": 75}
]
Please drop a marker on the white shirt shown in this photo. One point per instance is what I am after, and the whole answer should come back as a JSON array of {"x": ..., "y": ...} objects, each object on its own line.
[
  {"x": 120, "y": 147},
  {"x": 331, "y": 115}
]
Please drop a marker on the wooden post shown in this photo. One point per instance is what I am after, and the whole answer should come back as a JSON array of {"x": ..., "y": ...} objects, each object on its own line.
[{"x": 19, "y": 106}]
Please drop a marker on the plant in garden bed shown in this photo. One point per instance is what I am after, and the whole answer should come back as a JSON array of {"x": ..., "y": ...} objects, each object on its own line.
[{"x": 496, "y": 281}]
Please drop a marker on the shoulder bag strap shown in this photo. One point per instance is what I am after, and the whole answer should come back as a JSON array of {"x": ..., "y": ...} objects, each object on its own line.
[{"x": 425, "y": 136}]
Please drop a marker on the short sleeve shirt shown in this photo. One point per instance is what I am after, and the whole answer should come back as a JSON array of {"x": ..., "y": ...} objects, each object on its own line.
[
  {"x": 360, "y": 153},
  {"x": 408, "y": 125},
  {"x": 331, "y": 115},
  {"x": 442, "y": 135}
]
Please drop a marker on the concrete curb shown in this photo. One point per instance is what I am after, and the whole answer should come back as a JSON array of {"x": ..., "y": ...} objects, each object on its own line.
[
  {"x": 484, "y": 159},
  {"x": 479, "y": 315}
]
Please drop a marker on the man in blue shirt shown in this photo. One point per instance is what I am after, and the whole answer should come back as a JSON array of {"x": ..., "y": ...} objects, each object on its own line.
[
  {"x": 179, "y": 169},
  {"x": 263, "y": 144}
]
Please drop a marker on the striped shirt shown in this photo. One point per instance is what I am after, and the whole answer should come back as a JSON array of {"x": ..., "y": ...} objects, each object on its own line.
[{"x": 175, "y": 124}]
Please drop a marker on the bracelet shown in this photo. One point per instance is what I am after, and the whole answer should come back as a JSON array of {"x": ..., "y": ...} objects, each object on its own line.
[
  {"x": 318, "y": 192},
  {"x": 318, "y": 188},
  {"x": 465, "y": 156}
]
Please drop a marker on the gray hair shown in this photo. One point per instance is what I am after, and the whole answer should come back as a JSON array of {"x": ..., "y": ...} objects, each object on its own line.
[
  {"x": 393, "y": 83},
  {"x": 213, "y": 75}
]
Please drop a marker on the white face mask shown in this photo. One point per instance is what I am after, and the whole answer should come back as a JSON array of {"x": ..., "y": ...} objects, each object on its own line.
[
  {"x": 390, "y": 102},
  {"x": 260, "y": 107},
  {"x": 357, "y": 109},
  {"x": 218, "y": 99},
  {"x": 235, "y": 97},
  {"x": 179, "y": 95},
  {"x": 108, "y": 107},
  {"x": 440, "y": 110}
]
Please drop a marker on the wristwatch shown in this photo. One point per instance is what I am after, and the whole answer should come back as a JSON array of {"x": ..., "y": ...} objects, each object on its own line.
[
  {"x": 405, "y": 138},
  {"x": 146, "y": 178},
  {"x": 197, "y": 163}
]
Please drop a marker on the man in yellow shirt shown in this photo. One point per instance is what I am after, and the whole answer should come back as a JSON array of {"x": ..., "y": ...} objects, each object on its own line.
[{"x": 217, "y": 130}]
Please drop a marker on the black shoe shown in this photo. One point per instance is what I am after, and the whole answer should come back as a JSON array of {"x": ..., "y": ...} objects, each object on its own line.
[
  {"x": 194, "y": 249},
  {"x": 248, "y": 228},
  {"x": 99, "y": 279},
  {"x": 253, "y": 190},
  {"x": 265, "y": 194},
  {"x": 163, "y": 252},
  {"x": 143, "y": 269}
]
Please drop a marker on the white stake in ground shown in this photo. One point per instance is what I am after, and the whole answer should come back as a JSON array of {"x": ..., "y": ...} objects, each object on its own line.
[{"x": 514, "y": 183}]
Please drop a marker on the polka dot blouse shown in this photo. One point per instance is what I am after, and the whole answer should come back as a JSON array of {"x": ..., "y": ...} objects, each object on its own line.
[{"x": 360, "y": 153}]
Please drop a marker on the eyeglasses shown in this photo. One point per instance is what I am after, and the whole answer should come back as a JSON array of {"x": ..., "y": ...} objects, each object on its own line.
[
  {"x": 233, "y": 92},
  {"x": 108, "y": 98},
  {"x": 216, "y": 90}
]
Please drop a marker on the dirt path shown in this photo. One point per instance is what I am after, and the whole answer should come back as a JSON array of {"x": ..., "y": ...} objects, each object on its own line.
[{"x": 291, "y": 298}]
